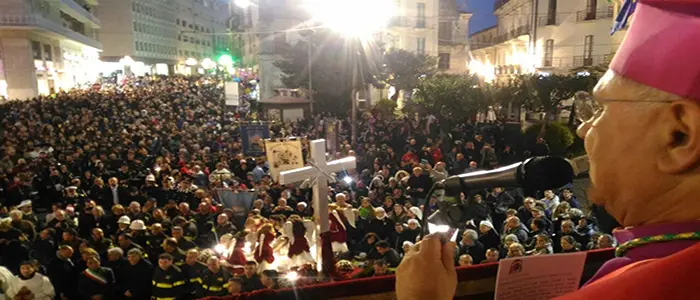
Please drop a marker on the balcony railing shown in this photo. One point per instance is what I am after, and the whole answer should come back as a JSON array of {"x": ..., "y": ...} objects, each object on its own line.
[
  {"x": 549, "y": 20},
  {"x": 82, "y": 9},
  {"x": 585, "y": 15},
  {"x": 522, "y": 30},
  {"x": 575, "y": 61},
  {"x": 408, "y": 22},
  {"x": 87, "y": 36}
]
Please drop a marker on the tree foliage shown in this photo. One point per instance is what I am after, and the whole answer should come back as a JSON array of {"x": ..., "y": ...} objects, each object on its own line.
[
  {"x": 451, "y": 97},
  {"x": 404, "y": 69},
  {"x": 544, "y": 93},
  {"x": 558, "y": 136}
]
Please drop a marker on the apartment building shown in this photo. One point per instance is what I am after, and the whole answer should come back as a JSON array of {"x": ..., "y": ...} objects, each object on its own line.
[
  {"x": 159, "y": 36},
  {"x": 545, "y": 36},
  {"x": 47, "y": 45}
]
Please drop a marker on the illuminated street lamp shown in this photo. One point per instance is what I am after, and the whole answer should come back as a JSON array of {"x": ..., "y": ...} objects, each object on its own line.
[
  {"x": 126, "y": 61},
  {"x": 358, "y": 18},
  {"x": 208, "y": 64},
  {"x": 191, "y": 61},
  {"x": 242, "y": 3},
  {"x": 225, "y": 60}
]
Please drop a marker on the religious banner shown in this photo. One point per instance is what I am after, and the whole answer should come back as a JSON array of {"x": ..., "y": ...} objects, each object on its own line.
[
  {"x": 331, "y": 132},
  {"x": 283, "y": 156},
  {"x": 240, "y": 203},
  {"x": 253, "y": 136}
]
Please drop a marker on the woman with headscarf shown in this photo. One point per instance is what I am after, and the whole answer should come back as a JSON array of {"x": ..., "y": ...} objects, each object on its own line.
[
  {"x": 381, "y": 225},
  {"x": 488, "y": 235}
]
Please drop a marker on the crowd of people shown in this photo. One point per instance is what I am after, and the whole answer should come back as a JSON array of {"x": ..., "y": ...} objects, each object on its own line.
[{"x": 110, "y": 194}]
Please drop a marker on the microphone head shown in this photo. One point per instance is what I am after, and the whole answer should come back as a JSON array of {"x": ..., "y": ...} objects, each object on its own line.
[{"x": 546, "y": 172}]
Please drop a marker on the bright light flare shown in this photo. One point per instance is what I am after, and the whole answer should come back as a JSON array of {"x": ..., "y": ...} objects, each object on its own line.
[
  {"x": 358, "y": 18},
  {"x": 292, "y": 276},
  {"x": 484, "y": 70},
  {"x": 191, "y": 61},
  {"x": 434, "y": 228},
  {"x": 347, "y": 179},
  {"x": 208, "y": 64},
  {"x": 226, "y": 60},
  {"x": 242, "y": 3}
]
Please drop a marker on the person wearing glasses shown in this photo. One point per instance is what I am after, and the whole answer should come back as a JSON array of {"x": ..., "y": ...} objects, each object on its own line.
[{"x": 642, "y": 134}]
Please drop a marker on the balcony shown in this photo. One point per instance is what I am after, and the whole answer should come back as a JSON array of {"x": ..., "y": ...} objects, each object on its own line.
[
  {"x": 80, "y": 11},
  {"x": 549, "y": 20},
  {"x": 41, "y": 14},
  {"x": 585, "y": 15},
  {"x": 522, "y": 30},
  {"x": 575, "y": 61},
  {"x": 408, "y": 22}
]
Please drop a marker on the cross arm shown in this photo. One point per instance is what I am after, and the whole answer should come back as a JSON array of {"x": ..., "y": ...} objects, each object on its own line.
[
  {"x": 297, "y": 175},
  {"x": 342, "y": 164}
]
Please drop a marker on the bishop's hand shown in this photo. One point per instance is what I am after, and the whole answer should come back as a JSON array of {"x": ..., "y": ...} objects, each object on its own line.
[{"x": 427, "y": 271}]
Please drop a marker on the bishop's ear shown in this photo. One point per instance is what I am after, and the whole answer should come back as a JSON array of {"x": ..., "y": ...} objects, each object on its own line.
[{"x": 680, "y": 125}]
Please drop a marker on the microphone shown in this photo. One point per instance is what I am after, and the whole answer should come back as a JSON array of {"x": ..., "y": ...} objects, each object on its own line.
[{"x": 541, "y": 173}]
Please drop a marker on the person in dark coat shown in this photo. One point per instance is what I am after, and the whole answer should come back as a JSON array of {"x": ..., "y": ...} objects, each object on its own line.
[
  {"x": 251, "y": 280},
  {"x": 96, "y": 281},
  {"x": 470, "y": 245},
  {"x": 137, "y": 284},
  {"x": 389, "y": 255},
  {"x": 168, "y": 280},
  {"x": 44, "y": 248},
  {"x": 489, "y": 237},
  {"x": 63, "y": 273},
  {"x": 214, "y": 279},
  {"x": 381, "y": 225}
]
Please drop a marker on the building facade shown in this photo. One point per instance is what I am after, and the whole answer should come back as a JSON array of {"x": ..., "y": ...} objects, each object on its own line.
[
  {"x": 453, "y": 28},
  {"x": 546, "y": 36},
  {"x": 47, "y": 45},
  {"x": 159, "y": 36}
]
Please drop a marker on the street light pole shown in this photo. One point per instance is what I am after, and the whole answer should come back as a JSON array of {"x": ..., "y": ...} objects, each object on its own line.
[
  {"x": 311, "y": 87},
  {"x": 353, "y": 100}
]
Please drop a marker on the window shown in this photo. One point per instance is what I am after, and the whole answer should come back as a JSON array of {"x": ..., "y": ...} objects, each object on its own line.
[
  {"x": 137, "y": 46},
  {"x": 445, "y": 31},
  {"x": 444, "y": 61},
  {"x": 420, "y": 15},
  {"x": 47, "y": 52},
  {"x": 548, "y": 53},
  {"x": 591, "y": 9},
  {"x": 588, "y": 51},
  {"x": 184, "y": 23},
  {"x": 36, "y": 50},
  {"x": 552, "y": 12},
  {"x": 420, "y": 46}
]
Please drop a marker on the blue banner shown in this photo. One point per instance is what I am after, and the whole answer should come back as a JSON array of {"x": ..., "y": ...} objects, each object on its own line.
[
  {"x": 253, "y": 137},
  {"x": 240, "y": 203}
]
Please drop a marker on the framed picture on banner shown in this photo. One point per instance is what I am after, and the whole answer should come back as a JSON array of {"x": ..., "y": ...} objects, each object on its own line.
[{"x": 283, "y": 156}]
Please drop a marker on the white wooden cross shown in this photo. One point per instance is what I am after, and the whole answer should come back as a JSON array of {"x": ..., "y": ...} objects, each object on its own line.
[{"x": 318, "y": 173}]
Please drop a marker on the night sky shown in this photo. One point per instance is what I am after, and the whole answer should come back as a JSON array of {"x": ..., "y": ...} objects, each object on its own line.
[{"x": 483, "y": 13}]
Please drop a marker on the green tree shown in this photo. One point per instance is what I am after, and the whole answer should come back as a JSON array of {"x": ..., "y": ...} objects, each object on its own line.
[
  {"x": 404, "y": 69},
  {"x": 385, "y": 107},
  {"x": 545, "y": 93},
  {"x": 558, "y": 136},
  {"x": 451, "y": 97}
]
